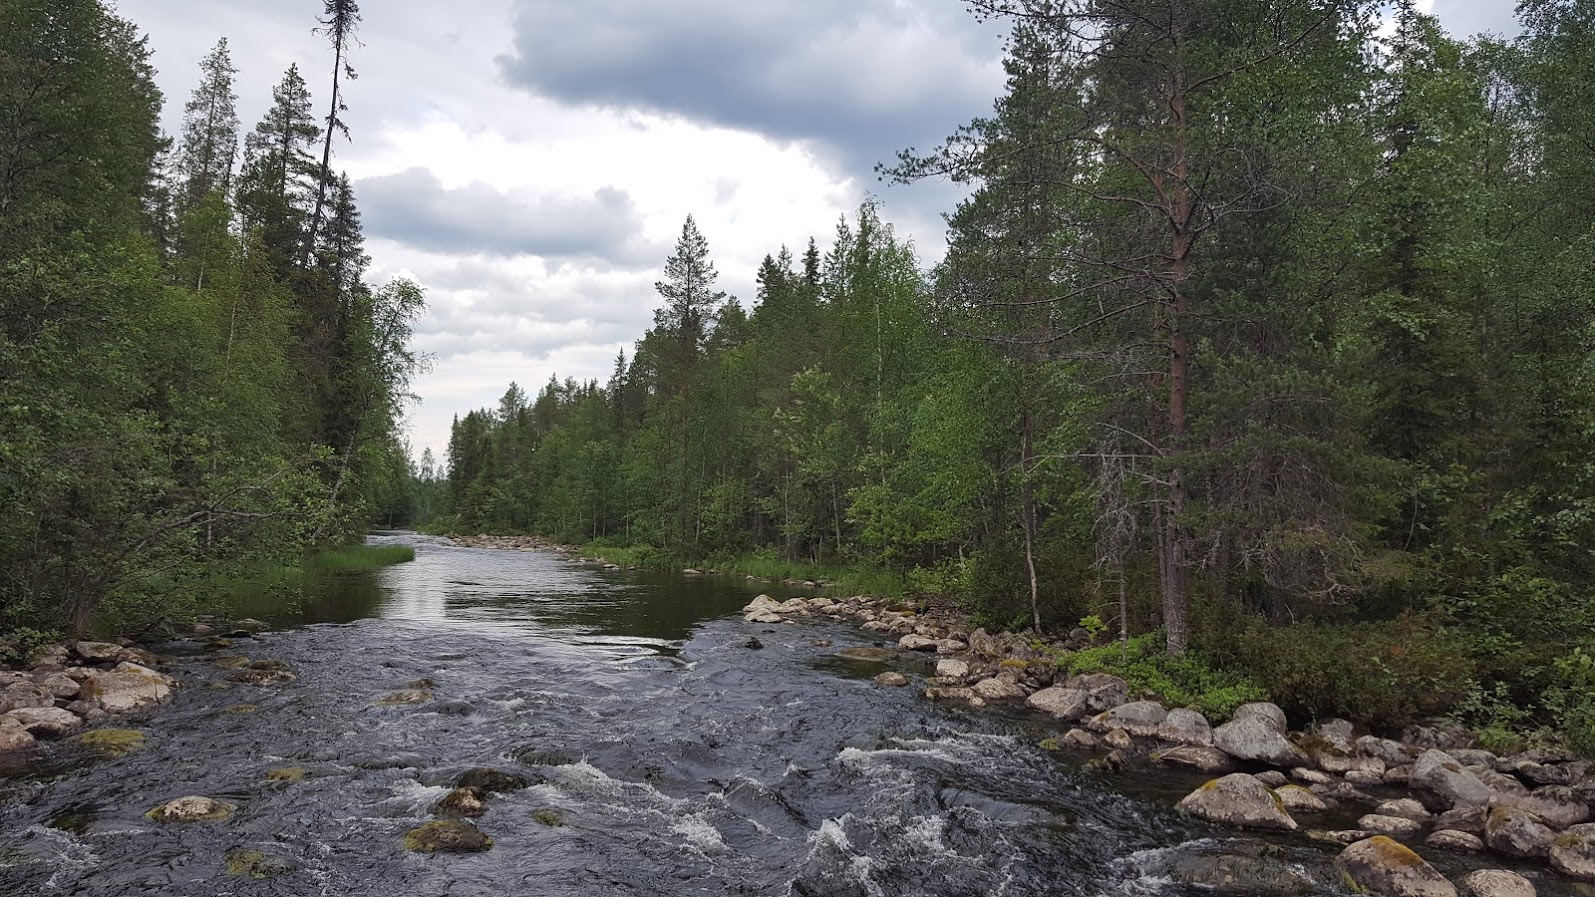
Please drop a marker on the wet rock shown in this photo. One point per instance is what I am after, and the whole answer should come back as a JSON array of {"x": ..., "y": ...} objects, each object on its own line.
[
  {"x": 253, "y": 863},
  {"x": 13, "y": 737},
  {"x": 763, "y": 616},
  {"x": 544, "y": 757},
  {"x": 1263, "y": 710},
  {"x": 998, "y": 689},
  {"x": 1196, "y": 756},
  {"x": 246, "y": 626},
  {"x": 868, "y": 655},
  {"x": 1255, "y": 739},
  {"x": 1139, "y": 718},
  {"x": 112, "y": 742},
  {"x": 193, "y": 809},
  {"x": 464, "y": 802},
  {"x": 1400, "y": 828},
  {"x": 1453, "y": 840},
  {"x": 1556, "y": 806},
  {"x": 1343, "y": 836},
  {"x": 1517, "y": 833},
  {"x": 894, "y": 679},
  {"x": 1185, "y": 726},
  {"x": 753, "y": 643},
  {"x": 407, "y": 697},
  {"x": 1344, "y": 791},
  {"x": 1079, "y": 739},
  {"x": 1405, "y": 808},
  {"x": 23, "y": 696},
  {"x": 1463, "y": 819},
  {"x": 1442, "y": 783},
  {"x": 1299, "y": 800},
  {"x": 916, "y": 642},
  {"x": 1238, "y": 800},
  {"x": 1237, "y": 876},
  {"x": 1118, "y": 739},
  {"x": 286, "y": 775},
  {"x": 1496, "y": 883},
  {"x": 1273, "y": 778},
  {"x": 492, "y": 781},
  {"x": 549, "y": 817},
  {"x": 1311, "y": 776},
  {"x": 1382, "y": 866},
  {"x": 447, "y": 836},
  {"x": 1114, "y": 762},
  {"x": 46, "y": 722},
  {"x": 961, "y": 695},
  {"x": 1080, "y": 696},
  {"x": 97, "y": 652},
  {"x": 948, "y": 668},
  {"x": 1573, "y": 852},
  {"x": 128, "y": 688}
]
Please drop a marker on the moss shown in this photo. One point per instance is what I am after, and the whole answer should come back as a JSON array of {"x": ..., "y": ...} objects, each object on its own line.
[
  {"x": 229, "y": 662},
  {"x": 401, "y": 698},
  {"x": 1013, "y": 663},
  {"x": 542, "y": 757},
  {"x": 240, "y": 709},
  {"x": 446, "y": 836},
  {"x": 274, "y": 665},
  {"x": 286, "y": 774},
  {"x": 548, "y": 817},
  {"x": 262, "y": 677},
  {"x": 253, "y": 863},
  {"x": 461, "y": 802},
  {"x": 1051, "y": 744},
  {"x": 112, "y": 742}
]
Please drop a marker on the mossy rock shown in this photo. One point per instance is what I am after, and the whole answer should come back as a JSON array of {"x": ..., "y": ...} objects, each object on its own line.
[
  {"x": 112, "y": 742},
  {"x": 491, "y": 781},
  {"x": 422, "y": 684},
  {"x": 466, "y": 802},
  {"x": 446, "y": 836},
  {"x": 253, "y": 676},
  {"x": 404, "y": 698},
  {"x": 255, "y": 864},
  {"x": 868, "y": 655},
  {"x": 77, "y": 819},
  {"x": 229, "y": 662},
  {"x": 545, "y": 757},
  {"x": 287, "y": 774},
  {"x": 193, "y": 809},
  {"x": 1050, "y": 744},
  {"x": 549, "y": 817},
  {"x": 271, "y": 665},
  {"x": 240, "y": 709}
]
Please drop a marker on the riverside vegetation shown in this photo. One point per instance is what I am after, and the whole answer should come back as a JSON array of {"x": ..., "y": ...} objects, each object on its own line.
[{"x": 1262, "y": 343}]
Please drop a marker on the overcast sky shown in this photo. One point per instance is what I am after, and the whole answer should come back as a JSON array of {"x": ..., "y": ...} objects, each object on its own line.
[{"x": 530, "y": 162}]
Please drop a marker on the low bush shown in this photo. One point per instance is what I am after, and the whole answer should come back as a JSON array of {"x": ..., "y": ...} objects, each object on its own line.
[{"x": 1187, "y": 681}]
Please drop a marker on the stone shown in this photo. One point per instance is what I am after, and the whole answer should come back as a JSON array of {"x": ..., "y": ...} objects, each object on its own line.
[
  {"x": 1496, "y": 883},
  {"x": 1398, "y": 827},
  {"x": 868, "y": 655},
  {"x": 998, "y": 689},
  {"x": 1517, "y": 833},
  {"x": 1118, "y": 739},
  {"x": 1473, "y": 757},
  {"x": 1241, "y": 801},
  {"x": 1299, "y": 800},
  {"x": 1382, "y": 866},
  {"x": 14, "y": 738},
  {"x": 1364, "y": 777},
  {"x": 47, "y": 722},
  {"x": 112, "y": 742},
  {"x": 25, "y": 695},
  {"x": 1139, "y": 718},
  {"x": 245, "y": 861},
  {"x": 1393, "y": 753},
  {"x": 193, "y": 809},
  {"x": 97, "y": 652},
  {"x": 983, "y": 645},
  {"x": 1255, "y": 739},
  {"x": 1262, "y": 710},
  {"x": 962, "y": 695},
  {"x": 1340, "y": 764},
  {"x": 1453, "y": 840},
  {"x": 1498, "y": 783},
  {"x": 891, "y": 678},
  {"x": 1556, "y": 805},
  {"x": 491, "y": 781},
  {"x": 950, "y": 646},
  {"x": 1405, "y": 808},
  {"x": 62, "y": 686},
  {"x": 128, "y": 688},
  {"x": 1552, "y": 773},
  {"x": 947, "y": 668},
  {"x": 1273, "y": 778},
  {"x": 1463, "y": 819},
  {"x": 463, "y": 802},
  {"x": 1444, "y": 737},
  {"x": 1079, "y": 739},
  {"x": 1185, "y": 726},
  {"x": 1398, "y": 775},
  {"x": 447, "y": 836},
  {"x": 1229, "y": 875},
  {"x": 916, "y": 642},
  {"x": 1337, "y": 730},
  {"x": 1196, "y": 756},
  {"x": 1573, "y": 852},
  {"x": 1442, "y": 783},
  {"x": 1311, "y": 776},
  {"x": 763, "y": 616},
  {"x": 549, "y": 817},
  {"x": 403, "y": 698}
]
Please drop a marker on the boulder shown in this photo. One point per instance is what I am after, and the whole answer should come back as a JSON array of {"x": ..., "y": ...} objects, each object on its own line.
[
  {"x": 947, "y": 668},
  {"x": 891, "y": 678},
  {"x": 1262, "y": 710},
  {"x": 1463, "y": 819},
  {"x": 97, "y": 652},
  {"x": 983, "y": 645},
  {"x": 1311, "y": 776},
  {"x": 916, "y": 642},
  {"x": 1255, "y": 739},
  {"x": 1138, "y": 718},
  {"x": 1079, "y": 739},
  {"x": 192, "y": 809},
  {"x": 1398, "y": 827},
  {"x": 62, "y": 686},
  {"x": 1496, "y": 883},
  {"x": 465, "y": 802},
  {"x": 1398, "y": 775},
  {"x": 1442, "y": 783},
  {"x": 959, "y": 695},
  {"x": 47, "y": 722},
  {"x": 1119, "y": 740},
  {"x": 1080, "y": 696},
  {"x": 760, "y": 603},
  {"x": 1394, "y": 753},
  {"x": 1498, "y": 783},
  {"x": 447, "y": 836},
  {"x": 491, "y": 781},
  {"x": 1299, "y": 800},
  {"x": 1273, "y": 778},
  {"x": 14, "y": 738},
  {"x": 998, "y": 689},
  {"x": 1542, "y": 773},
  {"x": 1185, "y": 726},
  {"x": 1364, "y": 777},
  {"x": 1382, "y": 866},
  {"x": 1230, "y": 875},
  {"x": 1339, "y": 731},
  {"x": 1573, "y": 852},
  {"x": 1459, "y": 842},
  {"x": 128, "y": 688},
  {"x": 1340, "y": 764},
  {"x": 763, "y": 615},
  {"x": 24, "y": 695},
  {"x": 1556, "y": 806},
  {"x": 950, "y": 646},
  {"x": 1517, "y": 833},
  {"x": 868, "y": 655},
  {"x": 1405, "y": 808},
  {"x": 1241, "y": 801},
  {"x": 1196, "y": 756}
]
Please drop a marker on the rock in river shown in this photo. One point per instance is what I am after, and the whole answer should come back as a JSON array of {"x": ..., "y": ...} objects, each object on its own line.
[
  {"x": 493, "y": 781},
  {"x": 1384, "y": 867},
  {"x": 1241, "y": 801},
  {"x": 1228, "y": 875},
  {"x": 192, "y": 809},
  {"x": 127, "y": 688},
  {"x": 1573, "y": 852},
  {"x": 1443, "y": 783},
  {"x": 447, "y": 836},
  {"x": 1496, "y": 883},
  {"x": 1256, "y": 739}
]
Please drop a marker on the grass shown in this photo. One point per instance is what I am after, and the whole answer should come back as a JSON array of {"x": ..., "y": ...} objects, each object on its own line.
[
  {"x": 359, "y": 558},
  {"x": 856, "y": 580}
]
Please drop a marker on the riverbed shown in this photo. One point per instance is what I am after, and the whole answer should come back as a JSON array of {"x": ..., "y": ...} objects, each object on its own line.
[{"x": 667, "y": 757}]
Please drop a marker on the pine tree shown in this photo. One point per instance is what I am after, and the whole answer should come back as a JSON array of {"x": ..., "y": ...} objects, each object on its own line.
[{"x": 210, "y": 129}]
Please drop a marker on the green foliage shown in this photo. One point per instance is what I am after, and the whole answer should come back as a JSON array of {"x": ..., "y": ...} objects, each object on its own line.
[
  {"x": 1571, "y": 699},
  {"x": 359, "y": 558},
  {"x": 1188, "y": 680},
  {"x": 17, "y": 645},
  {"x": 1093, "y": 625}
]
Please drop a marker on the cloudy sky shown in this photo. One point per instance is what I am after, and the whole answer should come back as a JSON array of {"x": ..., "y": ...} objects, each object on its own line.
[{"x": 530, "y": 162}]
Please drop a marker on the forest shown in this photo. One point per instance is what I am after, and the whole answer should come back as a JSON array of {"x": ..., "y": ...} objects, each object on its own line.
[
  {"x": 197, "y": 382},
  {"x": 1262, "y": 342}
]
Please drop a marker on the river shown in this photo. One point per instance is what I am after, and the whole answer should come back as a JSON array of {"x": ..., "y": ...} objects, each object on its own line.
[{"x": 678, "y": 760}]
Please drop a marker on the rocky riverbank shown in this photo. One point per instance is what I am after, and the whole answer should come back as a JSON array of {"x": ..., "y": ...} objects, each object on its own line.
[
  {"x": 1432, "y": 786},
  {"x": 61, "y": 690}
]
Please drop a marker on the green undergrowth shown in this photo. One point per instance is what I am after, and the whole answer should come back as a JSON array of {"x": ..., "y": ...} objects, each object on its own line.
[
  {"x": 359, "y": 558},
  {"x": 1186, "y": 681},
  {"x": 854, "y": 580}
]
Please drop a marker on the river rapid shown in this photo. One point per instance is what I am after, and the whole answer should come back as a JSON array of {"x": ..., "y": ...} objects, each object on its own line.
[{"x": 679, "y": 760}]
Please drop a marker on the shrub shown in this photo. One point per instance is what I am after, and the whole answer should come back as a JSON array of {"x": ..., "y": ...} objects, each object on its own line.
[{"x": 1187, "y": 681}]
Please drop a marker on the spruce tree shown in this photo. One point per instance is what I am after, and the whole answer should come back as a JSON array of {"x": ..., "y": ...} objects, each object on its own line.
[{"x": 210, "y": 129}]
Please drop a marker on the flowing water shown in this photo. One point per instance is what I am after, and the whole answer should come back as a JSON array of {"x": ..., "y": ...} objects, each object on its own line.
[{"x": 675, "y": 759}]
